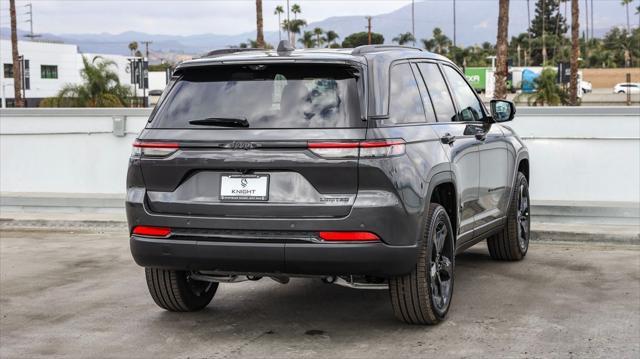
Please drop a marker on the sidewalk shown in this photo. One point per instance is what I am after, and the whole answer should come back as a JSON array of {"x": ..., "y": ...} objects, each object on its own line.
[{"x": 89, "y": 221}]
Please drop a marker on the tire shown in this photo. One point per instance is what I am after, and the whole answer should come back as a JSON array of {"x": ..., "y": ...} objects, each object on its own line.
[
  {"x": 424, "y": 295},
  {"x": 175, "y": 291},
  {"x": 512, "y": 242}
]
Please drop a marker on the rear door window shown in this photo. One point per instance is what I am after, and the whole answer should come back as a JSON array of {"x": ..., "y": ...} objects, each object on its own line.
[
  {"x": 405, "y": 103},
  {"x": 264, "y": 96}
]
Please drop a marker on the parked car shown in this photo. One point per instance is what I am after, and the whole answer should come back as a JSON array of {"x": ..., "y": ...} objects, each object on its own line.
[
  {"x": 627, "y": 87},
  {"x": 369, "y": 167}
]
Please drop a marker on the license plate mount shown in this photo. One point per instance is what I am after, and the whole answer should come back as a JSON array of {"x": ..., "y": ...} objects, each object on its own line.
[{"x": 244, "y": 188}]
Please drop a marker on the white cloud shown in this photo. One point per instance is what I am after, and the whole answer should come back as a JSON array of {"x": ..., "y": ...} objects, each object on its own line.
[{"x": 482, "y": 25}]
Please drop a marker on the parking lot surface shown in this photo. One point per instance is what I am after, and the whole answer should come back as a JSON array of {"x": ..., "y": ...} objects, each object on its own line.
[{"x": 81, "y": 295}]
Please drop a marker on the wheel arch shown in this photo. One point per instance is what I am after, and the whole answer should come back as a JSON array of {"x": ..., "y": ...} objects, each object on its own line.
[{"x": 442, "y": 190}]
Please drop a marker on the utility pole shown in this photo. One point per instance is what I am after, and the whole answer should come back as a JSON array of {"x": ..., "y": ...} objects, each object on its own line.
[
  {"x": 454, "y": 23},
  {"x": 369, "y": 29},
  {"x": 144, "y": 70},
  {"x": 17, "y": 73},
  {"x": 528, "y": 53},
  {"x": 413, "y": 22},
  {"x": 592, "y": 19},
  {"x": 30, "y": 21},
  {"x": 586, "y": 17}
]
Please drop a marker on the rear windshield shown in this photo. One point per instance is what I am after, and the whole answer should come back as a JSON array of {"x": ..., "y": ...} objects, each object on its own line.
[{"x": 263, "y": 96}]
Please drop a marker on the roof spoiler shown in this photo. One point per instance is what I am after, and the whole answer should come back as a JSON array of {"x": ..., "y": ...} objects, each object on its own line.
[
  {"x": 365, "y": 49},
  {"x": 233, "y": 50}
]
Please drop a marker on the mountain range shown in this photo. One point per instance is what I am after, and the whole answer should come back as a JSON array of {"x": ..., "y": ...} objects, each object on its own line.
[{"x": 476, "y": 23}]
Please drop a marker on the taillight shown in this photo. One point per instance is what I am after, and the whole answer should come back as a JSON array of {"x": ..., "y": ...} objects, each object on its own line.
[
  {"x": 149, "y": 231},
  {"x": 154, "y": 149},
  {"x": 382, "y": 148},
  {"x": 366, "y": 149},
  {"x": 349, "y": 236}
]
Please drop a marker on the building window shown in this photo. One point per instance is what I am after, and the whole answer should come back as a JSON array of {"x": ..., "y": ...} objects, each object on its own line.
[
  {"x": 48, "y": 71},
  {"x": 8, "y": 71}
]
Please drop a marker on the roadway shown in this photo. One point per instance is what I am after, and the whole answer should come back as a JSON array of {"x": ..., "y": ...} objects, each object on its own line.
[{"x": 79, "y": 294}]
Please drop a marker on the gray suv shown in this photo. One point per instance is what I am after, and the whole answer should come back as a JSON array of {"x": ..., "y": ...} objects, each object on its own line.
[{"x": 369, "y": 167}]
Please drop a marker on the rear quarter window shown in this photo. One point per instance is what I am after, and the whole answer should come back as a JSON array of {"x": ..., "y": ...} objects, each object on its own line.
[{"x": 265, "y": 95}]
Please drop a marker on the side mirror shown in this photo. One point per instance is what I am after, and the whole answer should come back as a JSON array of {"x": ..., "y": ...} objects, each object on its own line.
[{"x": 502, "y": 110}]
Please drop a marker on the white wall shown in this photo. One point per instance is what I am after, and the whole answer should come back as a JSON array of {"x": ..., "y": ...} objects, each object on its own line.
[
  {"x": 65, "y": 56},
  {"x": 577, "y": 154}
]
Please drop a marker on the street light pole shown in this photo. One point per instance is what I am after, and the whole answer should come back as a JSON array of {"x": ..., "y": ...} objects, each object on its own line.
[{"x": 413, "y": 22}]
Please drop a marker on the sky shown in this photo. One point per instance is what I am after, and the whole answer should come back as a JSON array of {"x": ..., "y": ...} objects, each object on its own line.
[
  {"x": 181, "y": 17},
  {"x": 189, "y": 17}
]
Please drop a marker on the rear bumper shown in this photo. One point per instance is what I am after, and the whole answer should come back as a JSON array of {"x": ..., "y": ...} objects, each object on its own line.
[
  {"x": 205, "y": 243},
  {"x": 375, "y": 259}
]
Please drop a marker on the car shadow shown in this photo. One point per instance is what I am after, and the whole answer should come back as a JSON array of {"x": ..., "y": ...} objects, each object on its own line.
[{"x": 304, "y": 306}]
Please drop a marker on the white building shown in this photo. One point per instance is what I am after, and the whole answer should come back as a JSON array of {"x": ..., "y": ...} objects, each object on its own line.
[{"x": 50, "y": 66}]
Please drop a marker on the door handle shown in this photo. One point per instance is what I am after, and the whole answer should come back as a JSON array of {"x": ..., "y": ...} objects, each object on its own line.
[{"x": 447, "y": 139}]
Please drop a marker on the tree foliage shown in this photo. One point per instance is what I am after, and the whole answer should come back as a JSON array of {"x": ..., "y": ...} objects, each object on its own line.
[
  {"x": 361, "y": 38},
  {"x": 547, "y": 91},
  {"x": 404, "y": 38},
  {"x": 100, "y": 88}
]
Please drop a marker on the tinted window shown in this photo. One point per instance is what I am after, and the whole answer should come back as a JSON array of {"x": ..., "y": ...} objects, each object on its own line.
[
  {"x": 470, "y": 107},
  {"x": 405, "y": 103},
  {"x": 426, "y": 100},
  {"x": 439, "y": 94},
  {"x": 8, "y": 71},
  {"x": 49, "y": 71},
  {"x": 267, "y": 96}
]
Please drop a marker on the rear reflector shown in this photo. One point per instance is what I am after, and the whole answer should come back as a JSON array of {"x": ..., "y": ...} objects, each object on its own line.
[
  {"x": 149, "y": 231},
  {"x": 348, "y": 236},
  {"x": 366, "y": 149},
  {"x": 154, "y": 149}
]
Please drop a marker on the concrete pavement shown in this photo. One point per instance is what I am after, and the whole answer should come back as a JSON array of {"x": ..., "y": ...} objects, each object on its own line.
[{"x": 79, "y": 294}]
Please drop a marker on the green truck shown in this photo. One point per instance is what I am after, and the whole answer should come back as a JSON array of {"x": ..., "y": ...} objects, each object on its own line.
[{"x": 477, "y": 77}]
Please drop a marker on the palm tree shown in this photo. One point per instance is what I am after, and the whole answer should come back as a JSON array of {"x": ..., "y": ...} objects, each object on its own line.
[
  {"x": 259, "y": 25},
  {"x": 318, "y": 32},
  {"x": 439, "y": 43},
  {"x": 331, "y": 37},
  {"x": 307, "y": 39},
  {"x": 100, "y": 88},
  {"x": 575, "y": 52},
  {"x": 547, "y": 90},
  {"x": 295, "y": 9},
  {"x": 133, "y": 46},
  {"x": 279, "y": 11},
  {"x": 626, "y": 3},
  {"x": 294, "y": 27},
  {"x": 402, "y": 39},
  {"x": 502, "y": 45},
  {"x": 17, "y": 73}
]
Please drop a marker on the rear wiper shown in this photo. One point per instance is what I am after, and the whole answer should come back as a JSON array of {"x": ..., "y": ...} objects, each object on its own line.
[{"x": 221, "y": 121}]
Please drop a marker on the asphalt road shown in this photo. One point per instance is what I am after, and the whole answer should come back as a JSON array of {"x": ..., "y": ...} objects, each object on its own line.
[{"x": 80, "y": 295}]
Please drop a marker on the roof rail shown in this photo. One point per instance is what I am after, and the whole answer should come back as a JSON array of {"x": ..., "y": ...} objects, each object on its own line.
[
  {"x": 365, "y": 49},
  {"x": 233, "y": 50}
]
